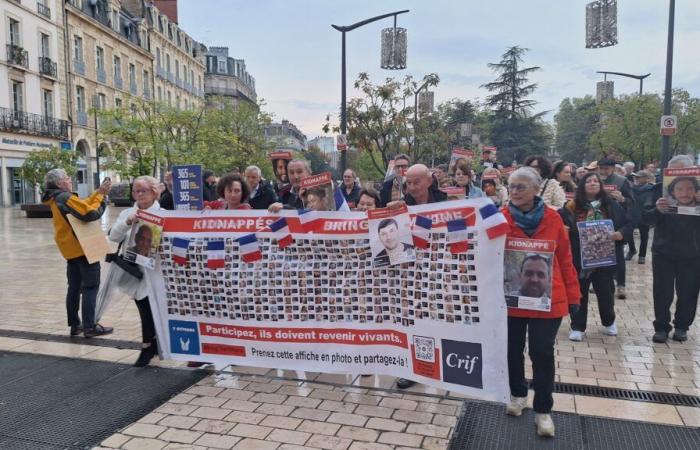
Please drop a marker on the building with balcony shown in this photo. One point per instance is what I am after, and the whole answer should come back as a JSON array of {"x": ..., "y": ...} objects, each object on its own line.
[
  {"x": 33, "y": 109},
  {"x": 178, "y": 60},
  {"x": 227, "y": 78},
  {"x": 109, "y": 66},
  {"x": 285, "y": 136}
]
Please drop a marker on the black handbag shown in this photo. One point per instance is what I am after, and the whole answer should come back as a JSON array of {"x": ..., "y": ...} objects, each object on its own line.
[{"x": 129, "y": 267}]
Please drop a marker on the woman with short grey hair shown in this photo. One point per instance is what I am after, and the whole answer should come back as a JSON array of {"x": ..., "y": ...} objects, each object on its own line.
[{"x": 529, "y": 218}]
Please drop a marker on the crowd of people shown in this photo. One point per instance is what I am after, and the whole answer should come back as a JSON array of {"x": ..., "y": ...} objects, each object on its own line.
[{"x": 540, "y": 200}]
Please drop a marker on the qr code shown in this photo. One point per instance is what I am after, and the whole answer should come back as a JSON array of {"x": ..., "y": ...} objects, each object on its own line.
[{"x": 424, "y": 348}]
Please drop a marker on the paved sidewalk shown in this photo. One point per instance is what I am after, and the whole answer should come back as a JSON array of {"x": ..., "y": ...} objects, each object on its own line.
[{"x": 272, "y": 409}]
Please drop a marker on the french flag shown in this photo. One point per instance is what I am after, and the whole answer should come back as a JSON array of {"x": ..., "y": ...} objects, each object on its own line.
[
  {"x": 308, "y": 220},
  {"x": 340, "y": 203},
  {"x": 282, "y": 234},
  {"x": 494, "y": 221},
  {"x": 215, "y": 254},
  {"x": 421, "y": 232},
  {"x": 457, "y": 238},
  {"x": 180, "y": 251},
  {"x": 248, "y": 245}
]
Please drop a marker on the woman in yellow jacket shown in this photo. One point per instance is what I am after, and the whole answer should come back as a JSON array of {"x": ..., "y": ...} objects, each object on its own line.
[{"x": 83, "y": 277}]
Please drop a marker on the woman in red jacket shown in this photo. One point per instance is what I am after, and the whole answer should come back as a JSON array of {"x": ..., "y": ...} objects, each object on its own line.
[{"x": 530, "y": 218}]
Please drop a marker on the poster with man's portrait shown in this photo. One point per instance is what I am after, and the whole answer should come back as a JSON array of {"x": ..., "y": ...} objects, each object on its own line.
[
  {"x": 280, "y": 161},
  {"x": 390, "y": 236},
  {"x": 596, "y": 242},
  {"x": 317, "y": 192},
  {"x": 146, "y": 233},
  {"x": 681, "y": 187},
  {"x": 528, "y": 273}
]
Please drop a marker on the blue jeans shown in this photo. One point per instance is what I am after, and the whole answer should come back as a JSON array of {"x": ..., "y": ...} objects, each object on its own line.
[{"x": 83, "y": 278}]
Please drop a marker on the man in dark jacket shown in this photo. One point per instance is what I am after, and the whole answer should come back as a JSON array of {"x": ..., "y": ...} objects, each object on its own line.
[
  {"x": 289, "y": 197},
  {"x": 209, "y": 186},
  {"x": 620, "y": 190},
  {"x": 350, "y": 188},
  {"x": 643, "y": 191},
  {"x": 675, "y": 263},
  {"x": 392, "y": 189},
  {"x": 166, "y": 197},
  {"x": 262, "y": 193}
]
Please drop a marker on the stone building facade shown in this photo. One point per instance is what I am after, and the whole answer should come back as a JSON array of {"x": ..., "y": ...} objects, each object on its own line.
[{"x": 227, "y": 78}]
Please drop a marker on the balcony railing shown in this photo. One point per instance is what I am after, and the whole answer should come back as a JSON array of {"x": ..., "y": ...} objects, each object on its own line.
[
  {"x": 79, "y": 66},
  {"x": 101, "y": 75},
  {"x": 82, "y": 118},
  {"x": 36, "y": 124},
  {"x": 48, "y": 67},
  {"x": 133, "y": 88},
  {"x": 17, "y": 56},
  {"x": 160, "y": 72},
  {"x": 178, "y": 82},
  {"x": 43, "y": 10},
  {"x": 118, "y": 83},
  {"x": 171, "y": 77},
  {"x": 147, "y": 94}
]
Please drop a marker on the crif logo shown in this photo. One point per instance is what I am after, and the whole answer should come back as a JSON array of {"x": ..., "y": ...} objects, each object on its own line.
[
  {"x": 462, "y": 363},
  {"x": 184, "y": 337}
]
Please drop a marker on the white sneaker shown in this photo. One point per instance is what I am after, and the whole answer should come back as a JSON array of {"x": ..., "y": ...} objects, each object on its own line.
[
  {"x": 516, "y": 406},
  {"x": 576, "y": 336},
  {"x": 611, "y": 330},
  {"x": 545, "y": 425}
]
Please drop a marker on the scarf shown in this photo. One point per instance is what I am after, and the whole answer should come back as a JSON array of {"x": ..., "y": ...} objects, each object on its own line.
[{"x": 530, "y": 220}]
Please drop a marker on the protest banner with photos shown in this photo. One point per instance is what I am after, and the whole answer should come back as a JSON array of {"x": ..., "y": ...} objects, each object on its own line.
[
  {"x": 318, "y": 304},
  {"x": 390, "y": 236},
  {"x": 527, "y": 269},
  {"x": 681, "y": 187},
  {"x": 317, "y": 192},
  {"x": 459, "y": 153},
  {"x": 597, "y": 245},
  {"x": 280, "y": 162},
  {"x": 144, "y": 239},
  {"x": 188, "y": 187}
]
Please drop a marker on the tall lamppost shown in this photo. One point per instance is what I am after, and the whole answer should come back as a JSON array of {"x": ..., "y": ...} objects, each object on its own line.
[
  {"x": 636, "y": 77},
  {"x": 666, "y": 140},
  {"x": 393, "y": 58},
  {"x": 430, "y": 80}
]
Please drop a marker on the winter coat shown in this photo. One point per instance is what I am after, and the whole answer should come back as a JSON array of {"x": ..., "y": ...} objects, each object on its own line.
[
  {"x": 643, "y": 197},
  {"x": 676, "y": 236},
  {"x": 121, "y": 232},
  {"x": 565, "y": 287},
  {"x": 63, "y": 203},
  {"x": 353, "y": 197},
  {"x": 613, "y": 211},
  {"x": 264, "y": 196},
  {"x": 552, "y": 193}
]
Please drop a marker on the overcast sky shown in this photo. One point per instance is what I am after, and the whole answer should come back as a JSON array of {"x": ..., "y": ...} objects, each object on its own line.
[{"x": 294, "y": 54}]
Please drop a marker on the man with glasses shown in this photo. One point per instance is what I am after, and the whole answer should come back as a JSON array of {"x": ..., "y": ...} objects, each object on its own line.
[
  {"x": 393, "y": 188},
  {"x": 83, "y": 277}
]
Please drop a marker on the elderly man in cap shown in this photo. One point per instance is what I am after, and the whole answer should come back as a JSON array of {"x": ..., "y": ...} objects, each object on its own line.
[
  {"x": 620, "y": 189},
  {"x": 83, "y": 277}
]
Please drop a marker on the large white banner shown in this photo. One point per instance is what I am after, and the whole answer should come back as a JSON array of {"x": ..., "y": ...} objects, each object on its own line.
[{"x": 318, "y": 303}]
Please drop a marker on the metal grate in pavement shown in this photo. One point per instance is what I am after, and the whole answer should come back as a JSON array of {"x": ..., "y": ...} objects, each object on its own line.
[
  {"x": 486, "y": 426},
  {"x": 75, "y": 403},
  {"x": 98, "y": 342},
  {"x": 628, "y": 394}
]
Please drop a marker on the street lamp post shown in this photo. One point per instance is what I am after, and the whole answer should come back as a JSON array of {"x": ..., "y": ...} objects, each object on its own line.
[
  {"x": 415, "y": 112},
  {"x": 636, "y": 77},
  {"x": 343, "y": 78},
  {"x": 666, "y": 140}
]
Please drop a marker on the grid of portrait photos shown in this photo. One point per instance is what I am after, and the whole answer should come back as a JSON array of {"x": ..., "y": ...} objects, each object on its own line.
[{"x": 324, "y": 280}]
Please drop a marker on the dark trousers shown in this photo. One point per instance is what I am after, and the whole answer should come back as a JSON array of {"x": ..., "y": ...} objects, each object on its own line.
[
  {"x": 684, "y": 276},
  {"x": 148, "y": 328},
  {"x": 643, "y": 241},
  {"x": 621, "y": 268},
  {"x": 83, "y": 278},
  {"x": 541, "y": 334},
  {"x": 604, "y": 288}
]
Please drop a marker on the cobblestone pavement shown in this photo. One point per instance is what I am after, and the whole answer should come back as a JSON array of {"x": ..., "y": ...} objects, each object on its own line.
[{"x": 261, "y": 408}]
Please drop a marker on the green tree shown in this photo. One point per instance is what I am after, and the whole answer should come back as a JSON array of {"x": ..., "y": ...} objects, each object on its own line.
[
  {"x": 317, "y": 159},
  {"x": 39, "y": 162},
  {"x": 514, "y": 130},
  {"x": 575, "y": 123}
]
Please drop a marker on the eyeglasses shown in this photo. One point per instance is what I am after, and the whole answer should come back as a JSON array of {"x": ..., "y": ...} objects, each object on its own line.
[
  {"x": 141, "y": 191},
  {"x": 517, "y": 187},
  {"x": 401, "y": 166}
]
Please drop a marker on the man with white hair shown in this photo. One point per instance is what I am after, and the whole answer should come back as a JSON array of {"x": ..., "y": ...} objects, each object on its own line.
[
  {"x": 262, "y": 194},
  {"x": 675, "y": 263},
  {"x": 83, "y": 277},
  {"x": 629, "y": 170}
]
